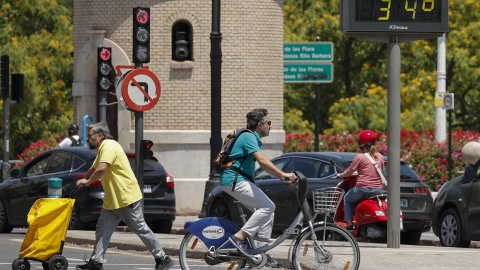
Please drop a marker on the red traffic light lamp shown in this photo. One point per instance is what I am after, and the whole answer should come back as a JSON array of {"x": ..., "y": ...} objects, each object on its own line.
[
  {"x": 141, "y": 35},
  {"x": 147, "y": 149}
]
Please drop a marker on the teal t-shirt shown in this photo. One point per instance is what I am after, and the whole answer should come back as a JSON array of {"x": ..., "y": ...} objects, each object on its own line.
[{"x": 246, "y": 144}]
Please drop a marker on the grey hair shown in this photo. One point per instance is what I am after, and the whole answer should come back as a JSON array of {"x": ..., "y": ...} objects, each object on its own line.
[
  {"x": 256, "y": 116},
  {"x": 100, "y": 127}
]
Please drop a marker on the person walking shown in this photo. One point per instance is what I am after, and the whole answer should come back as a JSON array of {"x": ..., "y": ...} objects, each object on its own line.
[
  {"x": 122, "y": 199},
  {"x": 73, "y": 138},
  {"x": 247, "y": 150},
  {"x": 368, "y": 177}
]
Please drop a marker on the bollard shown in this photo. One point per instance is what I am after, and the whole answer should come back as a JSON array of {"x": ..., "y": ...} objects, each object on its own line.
[{"x": 55, "y": 188}]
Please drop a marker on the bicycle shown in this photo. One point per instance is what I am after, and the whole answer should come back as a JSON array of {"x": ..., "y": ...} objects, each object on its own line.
[{"x": 318, "y": 245}]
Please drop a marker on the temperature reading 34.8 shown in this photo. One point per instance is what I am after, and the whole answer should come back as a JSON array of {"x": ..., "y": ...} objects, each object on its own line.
[{"x": 398, "y": 10}]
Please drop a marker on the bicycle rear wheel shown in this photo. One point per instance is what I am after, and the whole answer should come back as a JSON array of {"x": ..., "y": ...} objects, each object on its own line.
[
  {"x": 341, "y": 249},
  {"x": 194, "y": 255}
]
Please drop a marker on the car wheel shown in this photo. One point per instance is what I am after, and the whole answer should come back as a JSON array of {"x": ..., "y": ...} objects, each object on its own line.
[
  {"x": 75, "y": 223},
  {"x": 5, "y": 227},
  {"x": 450, "y": 228},
  {"x": 161, "y": 226},
  {"x": 220, "y": 209},
  {"x": 410, "y": 238}
]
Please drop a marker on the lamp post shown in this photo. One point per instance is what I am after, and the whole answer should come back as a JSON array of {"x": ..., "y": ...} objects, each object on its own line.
[{"x": 216, "y": 86}]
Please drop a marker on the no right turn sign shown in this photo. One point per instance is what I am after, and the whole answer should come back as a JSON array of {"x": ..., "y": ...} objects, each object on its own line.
[{"x": 448, "y": 101}]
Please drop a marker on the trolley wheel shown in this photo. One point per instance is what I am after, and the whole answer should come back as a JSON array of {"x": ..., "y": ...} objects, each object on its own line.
[
  {"x": 20, "y": 264},
  {"x": 58, "y": 262},
  {"x": 45, "y": 265}
]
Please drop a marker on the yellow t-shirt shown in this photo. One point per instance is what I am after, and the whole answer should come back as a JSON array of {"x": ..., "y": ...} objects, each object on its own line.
[{"x": 119, "y": 182}]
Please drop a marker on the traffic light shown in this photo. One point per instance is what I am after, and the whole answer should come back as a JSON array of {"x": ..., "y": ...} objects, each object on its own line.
[
  {"x": 104, "y": 69},
  {"x": 18, "y": 83},
  {"x": 146, "y": 149},
  {"x": 141, "y": 35},
  {"x": 5, "y": 76}
]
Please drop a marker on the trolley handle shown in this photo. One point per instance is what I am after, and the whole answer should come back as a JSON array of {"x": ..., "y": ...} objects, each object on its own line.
[{"x": 72, "y": 193}]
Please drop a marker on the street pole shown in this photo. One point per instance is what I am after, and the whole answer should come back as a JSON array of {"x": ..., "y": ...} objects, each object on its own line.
[
  {"x": 102, "y": 95},
  {"x": 393, "y": 126},
  {"x": 440, "y": 114},
  {"x": 317, "y": 117},
  {"x": 6, "y": 107},
  {"x": 449, "y": 145},
  {"x": 216, "y": 86},
  {"x": 138, "y": 144},
  {"x": 317, "y": 113}
]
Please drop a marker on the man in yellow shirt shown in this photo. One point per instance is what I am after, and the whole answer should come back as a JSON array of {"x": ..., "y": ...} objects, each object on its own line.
[{"x": 122, "y": 199}]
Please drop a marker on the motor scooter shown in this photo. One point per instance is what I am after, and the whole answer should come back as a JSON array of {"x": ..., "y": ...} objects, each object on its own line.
[{"x": 370, "y": 213}]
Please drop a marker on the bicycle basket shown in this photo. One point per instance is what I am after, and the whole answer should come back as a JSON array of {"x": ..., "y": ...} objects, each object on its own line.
[{"x": 326, "y": 200}]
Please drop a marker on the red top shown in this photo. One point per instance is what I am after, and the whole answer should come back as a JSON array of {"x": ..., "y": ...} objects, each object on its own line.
[{"x": 368, "y": 176}]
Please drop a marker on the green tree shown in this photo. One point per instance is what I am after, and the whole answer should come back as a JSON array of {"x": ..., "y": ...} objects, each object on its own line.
[
  {"x": 294, "y": 123},
  {"x": 37, "y": 35},
  {"x": 463, "y": 62}
]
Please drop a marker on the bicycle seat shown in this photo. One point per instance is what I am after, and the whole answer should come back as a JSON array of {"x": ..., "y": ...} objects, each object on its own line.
[{"x": 372, "y": 194}]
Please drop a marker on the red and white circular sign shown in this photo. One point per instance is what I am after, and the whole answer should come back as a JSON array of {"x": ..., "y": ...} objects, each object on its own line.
[
  {"x": 448, "y": 101},
  {"x": 141, "y": 89}
]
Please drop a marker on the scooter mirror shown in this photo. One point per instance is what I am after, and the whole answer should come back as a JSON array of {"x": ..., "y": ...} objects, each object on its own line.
[{"x": 333, "y": 162}]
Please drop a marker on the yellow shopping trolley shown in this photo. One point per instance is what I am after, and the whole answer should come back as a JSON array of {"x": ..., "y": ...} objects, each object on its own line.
[{"x": 48, "y": 222}]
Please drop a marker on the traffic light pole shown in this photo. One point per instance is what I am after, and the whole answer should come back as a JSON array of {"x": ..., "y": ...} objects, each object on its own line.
[
  {"x": 138, "y": 149},
  {"x": 6, "y": 107},
  {"x": 6, "y": 164},
  {"x": 102, "y": 95}
]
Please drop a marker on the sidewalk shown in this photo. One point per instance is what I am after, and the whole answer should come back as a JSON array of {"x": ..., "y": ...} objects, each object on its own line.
[{"x": 428, "y": 255}]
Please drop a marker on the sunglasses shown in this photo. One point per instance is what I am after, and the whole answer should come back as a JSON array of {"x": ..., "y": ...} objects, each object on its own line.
[{"x": 268, "y": 123}]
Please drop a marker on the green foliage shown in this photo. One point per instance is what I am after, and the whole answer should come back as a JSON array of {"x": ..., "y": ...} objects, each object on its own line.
[
  {"x": 293, "y": 123},
  {"x": 37, "y": 35},
  {"x": 427, "y": 157},
  {"x": 370, "y": 111}
]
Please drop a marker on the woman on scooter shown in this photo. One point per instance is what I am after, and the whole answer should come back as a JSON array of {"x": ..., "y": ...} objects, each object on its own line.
[{"x": 368, "y": 178}]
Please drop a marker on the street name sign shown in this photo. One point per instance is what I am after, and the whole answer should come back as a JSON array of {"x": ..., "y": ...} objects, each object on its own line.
[
  {"x": 308, "y": 52},
  {"x": 308, "y": 73}
]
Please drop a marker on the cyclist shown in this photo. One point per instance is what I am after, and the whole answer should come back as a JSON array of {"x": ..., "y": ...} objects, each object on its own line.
[
  {"x": 247, "y": 150},
  {"x": 368, "y": 178}
]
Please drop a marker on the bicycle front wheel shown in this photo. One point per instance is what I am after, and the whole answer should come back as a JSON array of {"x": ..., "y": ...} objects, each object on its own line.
[
  {"x": 338, "y": 250},
  {"x": 194, "y": 255}
]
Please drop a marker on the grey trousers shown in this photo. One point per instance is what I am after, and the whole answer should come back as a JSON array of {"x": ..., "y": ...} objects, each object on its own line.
[
  {"x": 132, "y": 215},
  {"x": 253, "y": 198}
]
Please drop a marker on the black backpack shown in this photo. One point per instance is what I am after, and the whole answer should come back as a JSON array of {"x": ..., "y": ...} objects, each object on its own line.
[
  {"x": 74, "y": 141},
  {"x": 224, "y": 161}
]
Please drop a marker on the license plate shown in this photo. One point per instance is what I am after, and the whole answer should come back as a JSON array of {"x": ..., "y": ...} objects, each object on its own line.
[
  {"x": 147, "y": 189},
  {"x": 403, "y": 203}
]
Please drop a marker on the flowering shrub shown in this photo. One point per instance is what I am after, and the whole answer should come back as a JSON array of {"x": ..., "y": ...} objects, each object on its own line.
[
  {"x": 36, "y": 148},
  {"x": 427, "y": 157}
]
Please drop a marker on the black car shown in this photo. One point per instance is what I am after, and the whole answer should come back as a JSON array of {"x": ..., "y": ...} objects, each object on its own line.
[
  {"x": 415, "y": 199},
  {"x": 30, "y": 182},
  {"x": 456, "y": 212}
]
